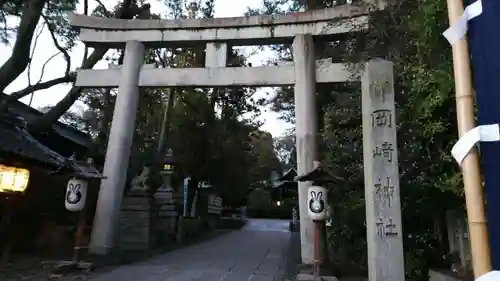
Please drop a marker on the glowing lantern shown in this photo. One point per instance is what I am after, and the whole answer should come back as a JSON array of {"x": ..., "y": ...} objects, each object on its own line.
[
  {"x": 168, "y": 167},
  {"x": 13, "y": 180}
]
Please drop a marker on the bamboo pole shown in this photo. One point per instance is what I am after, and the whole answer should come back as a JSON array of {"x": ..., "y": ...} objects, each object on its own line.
[{"x": 478, "y": 231}]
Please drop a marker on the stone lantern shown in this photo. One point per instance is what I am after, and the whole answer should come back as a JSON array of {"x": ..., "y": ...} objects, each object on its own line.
[
  {"x": 164, "y": 196},
  {"x": 168, "y": 163},
  {"x": 165, "y": 191},
  {"x": 167, "y": 170}
]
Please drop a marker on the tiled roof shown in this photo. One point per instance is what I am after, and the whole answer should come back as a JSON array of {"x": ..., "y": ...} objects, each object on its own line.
[
  {"x": 287, "y": 177},
  {"x": 14, "y": 139},
  {"x": 64, "y": 130}
]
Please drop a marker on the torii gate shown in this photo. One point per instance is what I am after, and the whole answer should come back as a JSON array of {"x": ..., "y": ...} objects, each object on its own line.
[{"x": 218, "y": 35}]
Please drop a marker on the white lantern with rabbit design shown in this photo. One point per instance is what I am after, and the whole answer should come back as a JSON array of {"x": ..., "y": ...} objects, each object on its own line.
[
  {"x": 317, "y": 198},
  {"x": 76, "y": 195}
]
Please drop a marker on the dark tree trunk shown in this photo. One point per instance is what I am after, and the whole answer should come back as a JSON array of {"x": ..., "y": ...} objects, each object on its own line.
[{"x": 20, "y": 58}]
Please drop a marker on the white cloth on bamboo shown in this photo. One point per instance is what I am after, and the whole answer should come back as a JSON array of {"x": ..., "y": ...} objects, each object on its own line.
[
  {"x": 482, "y": 133},
  {"x": 490, "y": 276},
  {"x": 458, "y": 30}
]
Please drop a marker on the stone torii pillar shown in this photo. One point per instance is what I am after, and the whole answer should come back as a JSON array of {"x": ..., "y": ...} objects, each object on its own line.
[
  {"x": 306, "y": 132},
  {"x": 118, "y": 151}
]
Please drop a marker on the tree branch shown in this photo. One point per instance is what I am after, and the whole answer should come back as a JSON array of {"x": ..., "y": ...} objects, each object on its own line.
[
  {"x": 44, "y": 122},
  {"x": 42, "y": 71},
  {"x": 20, "y": 57},
  {"x": 86, "y": 12},
  {"x": 62, "y": 106},
  {"x": 106, "y": 13},
  {"x": 39, "y": 86},
  {"x": 32, "y": 53},
  {"x": 65, "y": 53},
  {"x": 37, "y": 36}
]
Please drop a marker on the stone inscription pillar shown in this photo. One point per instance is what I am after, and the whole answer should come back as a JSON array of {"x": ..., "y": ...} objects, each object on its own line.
[
  {"x": 118, "y": 151},
  {"x": 306, "y": 131},
  {"x": 380, "y": 155}
]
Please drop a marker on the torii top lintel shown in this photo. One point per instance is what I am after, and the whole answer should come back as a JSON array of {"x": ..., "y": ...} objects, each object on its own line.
[{"x": 251, "y": 30}]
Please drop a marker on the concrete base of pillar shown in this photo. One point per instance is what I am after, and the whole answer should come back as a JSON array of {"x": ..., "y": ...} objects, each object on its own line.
[
  {"x": 101, "y": 251},
  {"x": 306, "y": 271},
  {"x": 310, "y": 277},
  {"x": 135, "y": 231}
]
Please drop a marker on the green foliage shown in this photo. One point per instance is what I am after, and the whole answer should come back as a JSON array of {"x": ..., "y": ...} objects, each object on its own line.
[
  {"x": 259, "y": 199},
  {"x": 410, "y": 35},
  {"x": 284, "y": 147},
  {"x": 54, "y": 14}
]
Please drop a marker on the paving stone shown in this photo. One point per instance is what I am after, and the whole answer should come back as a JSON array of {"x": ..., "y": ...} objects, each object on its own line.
[
  {"x": 262, "y": 277},
  {"x": 255, "y": 253}
]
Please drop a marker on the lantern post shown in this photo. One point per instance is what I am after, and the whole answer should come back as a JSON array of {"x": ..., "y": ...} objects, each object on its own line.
[
  {"x": 75, "y": 201},
  {"x": 317, "y": 202}
]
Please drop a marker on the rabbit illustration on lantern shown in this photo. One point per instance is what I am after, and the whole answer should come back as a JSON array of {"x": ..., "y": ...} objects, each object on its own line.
[
  {"x": 76, "y": 193},
  {"x": 317, "y": 202}
]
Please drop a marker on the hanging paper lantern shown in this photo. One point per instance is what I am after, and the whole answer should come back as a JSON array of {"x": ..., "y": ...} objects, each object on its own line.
[
  {"x": 317, "y": 199},
  {"x": 13, "y": 179},
  {"x": 76, "y": 195}
]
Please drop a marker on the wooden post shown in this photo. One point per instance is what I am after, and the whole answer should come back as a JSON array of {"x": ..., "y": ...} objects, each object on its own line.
[
  {"x": 317, "y": 256},
  {"x": 9, "y": 232},
  {"x": 80, "y": 231},
  {"x": 478, "y": 231}
]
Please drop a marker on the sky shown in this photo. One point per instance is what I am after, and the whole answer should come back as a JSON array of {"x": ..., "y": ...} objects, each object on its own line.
[{"x": 45, "y": 50}]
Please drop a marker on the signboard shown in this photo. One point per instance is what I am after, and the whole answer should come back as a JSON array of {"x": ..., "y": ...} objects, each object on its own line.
[
  {"x": 214, "y": 204},
  {"x": 204, "y": 185}
]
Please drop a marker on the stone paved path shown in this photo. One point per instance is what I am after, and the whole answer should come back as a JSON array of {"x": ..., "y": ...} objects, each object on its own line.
[{"x": 256, "y": 253}]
